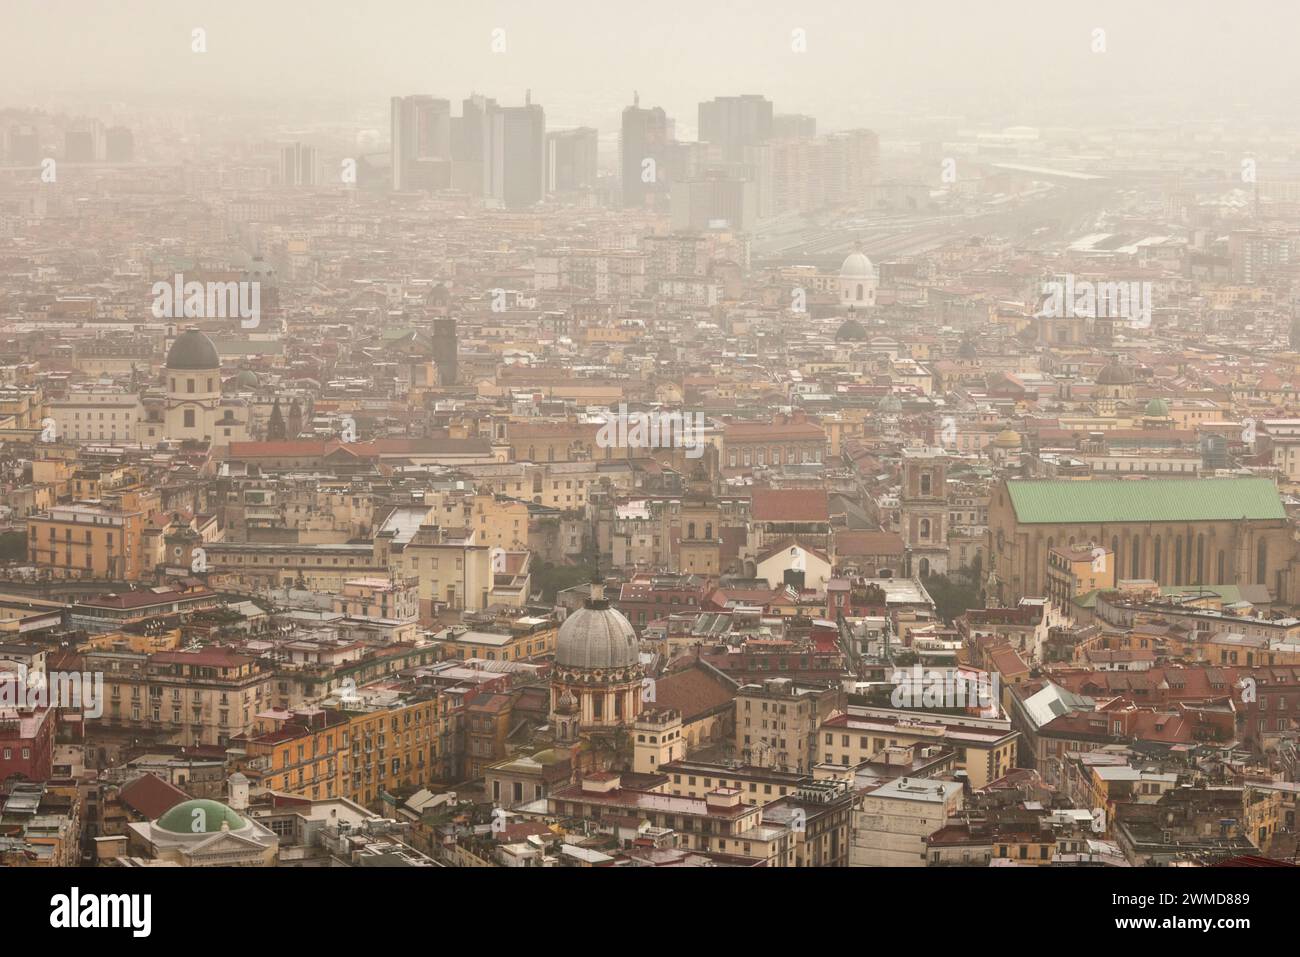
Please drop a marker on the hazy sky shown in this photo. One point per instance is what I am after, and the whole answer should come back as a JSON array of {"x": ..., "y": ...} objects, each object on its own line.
[{"x": 1012, "y": 60}]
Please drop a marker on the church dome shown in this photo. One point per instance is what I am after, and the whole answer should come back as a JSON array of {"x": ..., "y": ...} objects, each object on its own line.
[
  {"x": 1157, "y": 408},
  {"x": 857, "y": 266},
  {"x": 1115, "y": 373},
  {"x": 852, "y": 330},
  {"x": 890, "y": 404},
  {"x": 199, "y": 817},
  {"x": 1007, "y": 439},
  {"x": 596, "y": 637},
  {"x": 245, "y": 380},
  {"x": 192, "y": 350}
]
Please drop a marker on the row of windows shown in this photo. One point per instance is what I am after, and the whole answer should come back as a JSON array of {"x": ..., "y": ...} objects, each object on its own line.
[
  {"x": 189, "y": 385},
  {"x": 1185, "y": 570},
  {"x": 759, "y": 456}
]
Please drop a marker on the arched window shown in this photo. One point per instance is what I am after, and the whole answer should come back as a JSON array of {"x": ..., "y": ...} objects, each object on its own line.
[
  {"x": 925, "y": 529},
  {"x": 708, "y": 530},
  {"x": 925, "y": 568},
  {"x": 690, "y": 529},
  {"x": 859, "y": 292}
]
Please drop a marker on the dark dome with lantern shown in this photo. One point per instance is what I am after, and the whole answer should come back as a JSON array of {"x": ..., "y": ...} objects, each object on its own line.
[{"x": 193, "y": 351}]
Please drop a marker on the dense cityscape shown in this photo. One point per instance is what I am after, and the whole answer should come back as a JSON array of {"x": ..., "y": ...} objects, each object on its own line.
[{"x": 443, "y": 485}]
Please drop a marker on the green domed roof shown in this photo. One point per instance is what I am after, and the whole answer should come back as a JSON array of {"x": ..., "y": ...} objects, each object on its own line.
[
  {"x": 193, "y": 350},
  {"x": 200, "y": 816},
  {"x": 1157, "y": 408}
]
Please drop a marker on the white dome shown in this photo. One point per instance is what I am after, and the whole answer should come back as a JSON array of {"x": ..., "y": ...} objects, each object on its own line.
[
  {"x": 857, "y": 266},
  {"x": 596, "y": 637}
]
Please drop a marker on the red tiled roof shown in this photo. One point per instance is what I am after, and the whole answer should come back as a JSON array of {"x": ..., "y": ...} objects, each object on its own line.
[
  {"x": 790, "y": 505},
  {"x": 694, "y": 691},
  {"x": 292, "y": 448},
  {"x": 853, "y": 542},
  {"x": 151, "y": 796},
  {"x": 145, "y": 597}
]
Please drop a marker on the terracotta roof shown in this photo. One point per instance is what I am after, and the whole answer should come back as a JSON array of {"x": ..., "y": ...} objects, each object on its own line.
[
  {"x": 1006, "y": 661},
  {"x": 790, "y": 505},
  {"x": 144, "y": 597},
  {"x": 762, "y": 431},
  {"x": 694, "y": 691},
  {"x": 295, "y": 448},
  {"x": 151, "y": 796},
  {"x": 851, "y": 542}
]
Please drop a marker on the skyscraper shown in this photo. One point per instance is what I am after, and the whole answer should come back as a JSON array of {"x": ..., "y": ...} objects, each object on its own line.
[
  {"x": 790, "y": 125},
  {"x": 645, "y": 147},
  {"x": 571, "y": 159},
  {"x": 298, "y": 165},
  {"x": 469, "y": 144},
  {"x": 733, "y": 122},
  {"x": 421, "y": 142},
  {"x": 24, "y": 145},
  {"x": 516, "y": 155}
]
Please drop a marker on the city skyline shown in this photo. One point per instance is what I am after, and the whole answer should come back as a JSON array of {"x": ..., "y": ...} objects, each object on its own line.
[{"x": 794, "y": 439}]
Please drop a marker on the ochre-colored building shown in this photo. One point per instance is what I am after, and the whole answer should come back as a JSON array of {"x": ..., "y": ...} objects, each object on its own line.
[{"x": 1229, "y": 531}]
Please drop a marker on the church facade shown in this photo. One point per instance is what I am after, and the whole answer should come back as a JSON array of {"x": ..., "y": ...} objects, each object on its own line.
[{"x": 1175, "y": 532}]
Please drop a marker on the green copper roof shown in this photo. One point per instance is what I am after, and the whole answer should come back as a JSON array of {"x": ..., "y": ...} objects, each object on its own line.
[
  {"x": 1142, "y": 500},
  {"x": 199, "y": 817}
]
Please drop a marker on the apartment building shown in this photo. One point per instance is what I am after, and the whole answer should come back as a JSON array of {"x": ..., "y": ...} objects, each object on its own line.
[
  {"x": 208, "y": 696},
  {"x": 88, "y": 540},
  {"x": 891, "y": 823},
  {"x": 985, "y": 748}
]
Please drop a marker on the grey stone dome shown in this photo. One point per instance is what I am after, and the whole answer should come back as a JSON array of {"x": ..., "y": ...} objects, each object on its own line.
[
  {"x": 596, "y": 637},
  {"x": 1115, "y": 373},
  {"x": 192, "y": 350}
]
